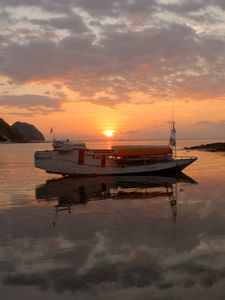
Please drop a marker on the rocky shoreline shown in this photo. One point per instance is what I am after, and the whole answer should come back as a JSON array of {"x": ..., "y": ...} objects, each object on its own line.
[{"x": 212, "y": 147}]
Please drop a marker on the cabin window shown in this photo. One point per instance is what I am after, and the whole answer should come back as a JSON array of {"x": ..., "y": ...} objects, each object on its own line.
[
  {"x": 96, "y": 157},
  {"x": 81, "y": 157},
  {"x": 103, "y": 161}
]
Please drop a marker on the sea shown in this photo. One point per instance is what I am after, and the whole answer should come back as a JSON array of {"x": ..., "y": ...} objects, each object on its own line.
[{"x": 106, "y": 238}]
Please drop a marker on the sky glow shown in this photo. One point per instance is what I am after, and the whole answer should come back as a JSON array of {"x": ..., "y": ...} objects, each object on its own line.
[{"x": 84, "y": 66}]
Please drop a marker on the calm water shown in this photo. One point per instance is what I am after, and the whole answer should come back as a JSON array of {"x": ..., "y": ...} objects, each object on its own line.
[{"x": 111, "y": 238}]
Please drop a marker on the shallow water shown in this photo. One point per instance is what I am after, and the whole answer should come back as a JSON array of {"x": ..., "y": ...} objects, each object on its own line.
[{"x": 136, "y": 237}]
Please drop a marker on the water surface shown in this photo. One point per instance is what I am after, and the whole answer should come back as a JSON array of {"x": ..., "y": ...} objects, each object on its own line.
[{"x": 101, "y": 238}]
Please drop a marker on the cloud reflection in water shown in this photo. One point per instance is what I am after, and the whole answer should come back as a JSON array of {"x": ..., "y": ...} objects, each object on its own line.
[{"x": 124, "y": 246}]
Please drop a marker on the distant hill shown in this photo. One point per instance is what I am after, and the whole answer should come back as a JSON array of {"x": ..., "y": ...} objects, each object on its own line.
[
  {"x": 19, "y": 132},
  {"x": 7, "y": 133},
  {"x": 28, "y": 131}
]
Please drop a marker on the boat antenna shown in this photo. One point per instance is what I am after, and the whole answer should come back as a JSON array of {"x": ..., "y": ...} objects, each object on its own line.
[{"x": 172, "y": 140}]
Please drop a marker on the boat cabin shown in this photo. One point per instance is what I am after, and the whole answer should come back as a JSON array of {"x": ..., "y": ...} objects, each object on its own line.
[{"x": 117, "y": 155}]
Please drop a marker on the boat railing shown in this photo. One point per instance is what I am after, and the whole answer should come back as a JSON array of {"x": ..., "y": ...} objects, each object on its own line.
[
  {"x": 137, "y": 161},
  {"x": 184, "y": 157}
]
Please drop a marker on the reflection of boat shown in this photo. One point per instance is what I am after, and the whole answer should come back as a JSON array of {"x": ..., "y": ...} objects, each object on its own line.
[
  {"x": 68, "y": 158},
  {"x": 72, "y": 191}
]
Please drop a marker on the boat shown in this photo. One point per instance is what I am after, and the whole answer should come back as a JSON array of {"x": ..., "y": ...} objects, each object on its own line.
[{"x": 75, "y": 159}]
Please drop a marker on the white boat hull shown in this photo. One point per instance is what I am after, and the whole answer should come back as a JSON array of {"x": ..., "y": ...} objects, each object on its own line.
[{"x": 44, "y": 160}]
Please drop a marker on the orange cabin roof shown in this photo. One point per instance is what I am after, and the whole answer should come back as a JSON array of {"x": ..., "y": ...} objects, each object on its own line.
[{"x": 140, "y": 150}]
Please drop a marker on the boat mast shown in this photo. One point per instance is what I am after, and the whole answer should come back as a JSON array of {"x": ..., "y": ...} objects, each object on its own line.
[{"x": 172, "y": 141}]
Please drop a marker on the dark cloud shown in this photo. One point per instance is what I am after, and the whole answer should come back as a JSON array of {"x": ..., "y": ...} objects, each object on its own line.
[
  {"x": 41, "y": 59},
  {"x": 29, "y": 62},
  {"x": 97, "y": 8},
  {"x": 220, "y": 3},
  {"x": 107, "y": 101},
  {"x": 141, "y": 268},
  {"x": 118, "y": 56},
  {"x": 50, "y": 6},
  {"x": 72, "y": 22},
  {"x": 22, "y": 114},
  {"x": 185, "y": 6},
  {"x": 66, "y": 279},
  {"x": 193, "y": 6},
  {"x": 156, "y": 61},
  {"x": 5, "y": 18},
  {"x": 150, "y": 46},
  {"x": 3, "y": 40},
  {"x": 117, "y": 8},
  {"x": 33, "y": 103}
]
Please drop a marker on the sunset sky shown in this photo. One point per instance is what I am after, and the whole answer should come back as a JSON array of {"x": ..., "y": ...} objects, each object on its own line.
[{"x": 86, "y": 66}]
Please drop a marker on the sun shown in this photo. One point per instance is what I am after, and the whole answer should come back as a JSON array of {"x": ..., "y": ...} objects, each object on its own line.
[{"x": 108, "y": 132}]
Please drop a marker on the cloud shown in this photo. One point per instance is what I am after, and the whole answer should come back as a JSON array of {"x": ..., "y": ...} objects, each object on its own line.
[
  {"x": 107, "y": 52},
  {"x": 143, "y": 268},
  {"x": 193, "y": 6},
  {"x": 56, "y": 6},
  {"x": 111, "y": 259},
  {"x": 209, "y": 124},
  {"x": 32, "y": 103},
  {"x": 22, "y": 114},
  {"x": 174, "y": 59},
  {"x": 107, "y": 101},
  {"x": 72, "y": 22},
  {"x": 41, "y": 59},
  {"x": 103, "y": 8},
  {"x": 117, "y": 8},
  {"x": 138, "y": 268}
]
